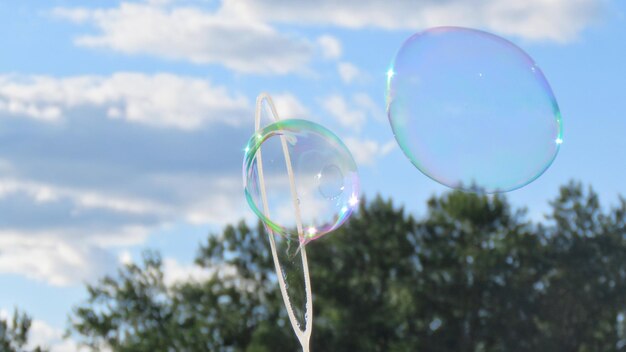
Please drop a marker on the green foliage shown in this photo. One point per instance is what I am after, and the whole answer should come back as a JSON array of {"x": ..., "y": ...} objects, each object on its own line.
[
  {"x": 14, "y": 334},
  {"x": 473, "y": 274}
]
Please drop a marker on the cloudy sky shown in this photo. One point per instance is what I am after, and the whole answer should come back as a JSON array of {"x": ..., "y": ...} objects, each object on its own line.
[{"x": 122, "y": 123}]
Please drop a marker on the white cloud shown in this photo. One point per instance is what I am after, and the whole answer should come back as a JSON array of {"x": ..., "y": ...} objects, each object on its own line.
[
  {"x": 331, "y": 46},
  {"x": 174, "y": 272},
  {"x": 52, "y": 258},
  {"x": 367, "y": 152},
  {"x": 72, "y": 255},
  {"x": 125, "y": 257},
  {"x": 72, "y": 251},
  {"x": 339, "y": 108},
  {"x": 388, "y": 147},
  {"x": 83, "y": 199},
  {"x": 365, "y": 102},
  {"x": 220, "y": 202},
  {"x": 288, "y": 106},
  {"x": 348, "y": 72},
  {"x": 352, "y": 114},
  {"x": 99, "y": 177},
  {"x": 556, "y": 20},
  {"x": 239, "y": 43},
  {"x": 239, "y": 33},
  {"x": 44, "y": 335},
  {"x": 40, "y": 113},
  {"x": 163, "y": 100}
]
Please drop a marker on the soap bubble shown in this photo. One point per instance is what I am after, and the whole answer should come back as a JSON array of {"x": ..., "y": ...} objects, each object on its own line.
[
  {"x": 324, "y": 178},
  {"x": 471, "y": 109}
]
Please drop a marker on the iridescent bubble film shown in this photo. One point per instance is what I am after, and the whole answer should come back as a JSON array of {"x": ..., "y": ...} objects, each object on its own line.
[
  {"x": 325, "y": 178},
  {"x": 472, "y": 110}
]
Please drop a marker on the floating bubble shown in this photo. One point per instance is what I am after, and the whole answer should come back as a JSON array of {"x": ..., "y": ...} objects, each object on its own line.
[
  {"x": 471, "y": 109},
  {"x": 323, "y": 191}
]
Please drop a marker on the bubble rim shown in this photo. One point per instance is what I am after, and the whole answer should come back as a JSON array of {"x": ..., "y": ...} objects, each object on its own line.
[
  {"x": 546, "y": 85},
  {"x": 272, "y": 130}
]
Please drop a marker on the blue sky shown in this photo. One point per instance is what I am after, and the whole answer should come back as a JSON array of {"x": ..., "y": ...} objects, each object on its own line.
[{"x": 122, "y": 123}]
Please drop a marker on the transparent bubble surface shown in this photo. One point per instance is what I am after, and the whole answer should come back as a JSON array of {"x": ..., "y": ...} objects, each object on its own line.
[
  {"x": 472, "y": 110},
  {"x": 330, "y": 181},
  {"x": 325, "y": 178}
]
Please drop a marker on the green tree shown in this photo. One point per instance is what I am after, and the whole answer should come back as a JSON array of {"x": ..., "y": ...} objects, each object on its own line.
[
  {"x": 473, "y": 274},
  {"x": 236, "y": 309},
  {"x": 14, "y": 334},
  {"x": 584, "y": 289}
]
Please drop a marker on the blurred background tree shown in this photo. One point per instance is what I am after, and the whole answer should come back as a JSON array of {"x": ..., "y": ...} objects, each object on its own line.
[
  {"x": 473, "y": 274},
  {"x": 14, "y": 334}
]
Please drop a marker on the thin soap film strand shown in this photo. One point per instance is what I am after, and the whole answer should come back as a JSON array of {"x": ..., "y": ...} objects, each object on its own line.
[{"x": 303, "y": 336}]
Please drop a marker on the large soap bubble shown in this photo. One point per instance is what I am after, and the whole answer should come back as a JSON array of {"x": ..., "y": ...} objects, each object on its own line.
[
  {"x": 323, "y": 191},
  {"x": 471, "y": 109}
]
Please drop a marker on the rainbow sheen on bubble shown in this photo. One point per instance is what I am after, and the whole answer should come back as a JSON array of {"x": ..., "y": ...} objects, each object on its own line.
[
  {"x": 324, "y": 174},
  {"x": 471, "y": 110}
]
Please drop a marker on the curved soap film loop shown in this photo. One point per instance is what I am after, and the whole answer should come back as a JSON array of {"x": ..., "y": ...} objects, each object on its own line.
[{"x": 303, "y": 336}]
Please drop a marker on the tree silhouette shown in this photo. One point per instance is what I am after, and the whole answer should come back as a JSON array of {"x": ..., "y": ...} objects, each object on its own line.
[
  {"x": 473, "y": 274},
  {"x": 14, "y": 334}
]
